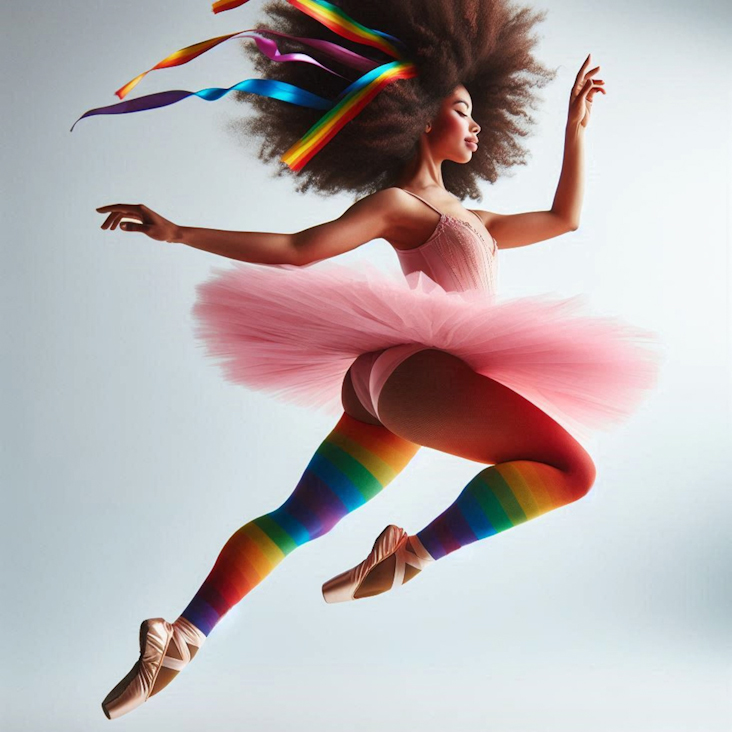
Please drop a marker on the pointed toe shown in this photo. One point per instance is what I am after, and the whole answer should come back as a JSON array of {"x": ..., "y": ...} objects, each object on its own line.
[
  {"x": 344, "y": 586},
  {"x": 339, "y": 589},
  {"x": 134, "y": 689}
]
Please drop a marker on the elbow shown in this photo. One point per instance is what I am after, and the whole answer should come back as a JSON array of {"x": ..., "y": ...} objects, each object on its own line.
[
  {"x": 305, "y": 249},
  {"x": 566, "y": 221},
  {"x": 296, "y": 259},
  {"x": 301, "y": 258},
  {"x": 297, "y": 252}
]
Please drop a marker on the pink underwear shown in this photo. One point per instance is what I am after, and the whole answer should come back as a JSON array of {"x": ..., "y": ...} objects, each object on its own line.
[{"x": 370, "y": 371}]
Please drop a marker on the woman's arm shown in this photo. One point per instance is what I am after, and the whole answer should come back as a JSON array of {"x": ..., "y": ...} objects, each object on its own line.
[
  {"x": 367, "y": 219},
  {"x": 374, "y": 217},
  {"x": 522, "y": 229},
  {"x": 568, "y": 199},
  {"x": 259, "y": 247},
  {"x": 518, "y": 230},
  {"x": 570, "y": 191},
  {"x": 370, "y": 218}
]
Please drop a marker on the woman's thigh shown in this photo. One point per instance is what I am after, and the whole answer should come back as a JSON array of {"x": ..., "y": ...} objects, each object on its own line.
[{"x": 435, "y": 399}]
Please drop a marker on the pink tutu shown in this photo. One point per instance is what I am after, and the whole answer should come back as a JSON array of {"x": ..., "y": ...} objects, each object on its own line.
[{"x": 295, "y": 331}]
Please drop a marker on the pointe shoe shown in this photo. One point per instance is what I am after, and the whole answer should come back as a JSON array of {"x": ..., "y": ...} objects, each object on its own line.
[
  {"x": 156, "y": 634},
  {"x": 391, "y": 541}
]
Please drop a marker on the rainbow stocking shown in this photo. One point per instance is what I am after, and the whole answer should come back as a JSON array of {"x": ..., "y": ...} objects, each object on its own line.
[
  {"x": 352, "y": 465},
  {"x": 498, "y": 498}
]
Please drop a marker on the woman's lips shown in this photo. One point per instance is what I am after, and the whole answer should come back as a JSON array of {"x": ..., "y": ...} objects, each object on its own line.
[{"x": 471, "y": 145}]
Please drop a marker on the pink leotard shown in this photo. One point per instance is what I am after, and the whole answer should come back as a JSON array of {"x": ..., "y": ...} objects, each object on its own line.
[{"x": 458, "y": 257}]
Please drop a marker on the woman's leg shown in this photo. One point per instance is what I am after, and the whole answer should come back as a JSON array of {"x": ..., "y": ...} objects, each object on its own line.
[
  {"x": 352, "y": 465},
  {"x": 435, "y": 399},
  {"x": 357, "y": 459}
]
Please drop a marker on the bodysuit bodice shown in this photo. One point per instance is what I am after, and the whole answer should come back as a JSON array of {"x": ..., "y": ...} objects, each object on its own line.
[{"x": 457, "y": 255}]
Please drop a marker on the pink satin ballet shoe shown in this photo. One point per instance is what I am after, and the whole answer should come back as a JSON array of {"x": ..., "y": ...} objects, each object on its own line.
[
  {"x": 156, "y": 634},
  {"x": 391, "y": 541}
]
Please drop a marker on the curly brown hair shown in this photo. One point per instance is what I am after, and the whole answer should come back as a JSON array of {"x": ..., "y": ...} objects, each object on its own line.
[{"x": 485, "y": 45}]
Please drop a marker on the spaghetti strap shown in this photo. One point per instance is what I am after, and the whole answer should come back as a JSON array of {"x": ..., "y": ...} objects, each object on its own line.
[
  {"x": 421, "y": 199},
  {"x": 479, "y": 219}
]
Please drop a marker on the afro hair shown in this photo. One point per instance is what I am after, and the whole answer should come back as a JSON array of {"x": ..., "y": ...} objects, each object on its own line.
[{"x": 485, "y": 45}]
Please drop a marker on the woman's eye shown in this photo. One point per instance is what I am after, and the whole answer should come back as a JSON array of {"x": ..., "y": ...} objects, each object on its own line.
[{"x": 462, "y": 114}]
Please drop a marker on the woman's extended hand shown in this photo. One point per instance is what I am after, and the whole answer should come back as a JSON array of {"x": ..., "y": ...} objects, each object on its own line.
[
  {"x": 150, "y": 223},
  {"x": 580, "y": 100}
]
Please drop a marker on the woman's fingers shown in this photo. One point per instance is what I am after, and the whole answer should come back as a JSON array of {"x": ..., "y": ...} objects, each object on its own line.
[
  {"x": 581, "y": 75},
  {"x": 123, "y": 224},
  {"x": 139, "y": 218},
  {"x": 588, "y": 90},
  {"x": 582, "y": 68},
  {"x": 129, "y": 226},
  {"x": 121, "y": 211},
  {"x": 136, "y": 207},
  {"x": 590, "y": 84},
  {"x": 113, "y": 220}
]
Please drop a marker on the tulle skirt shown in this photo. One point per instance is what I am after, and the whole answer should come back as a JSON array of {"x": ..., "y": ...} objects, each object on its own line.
[{"x": 295, "y": 331}]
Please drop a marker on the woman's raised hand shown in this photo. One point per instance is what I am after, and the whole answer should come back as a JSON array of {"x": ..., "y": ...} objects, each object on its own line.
[
  {"x": 580, "y": 100},
  {"x": 149, "y": 222}
]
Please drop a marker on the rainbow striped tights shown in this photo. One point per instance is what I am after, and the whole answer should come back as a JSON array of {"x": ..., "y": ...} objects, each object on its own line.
[{"x": 351, "y": 466}]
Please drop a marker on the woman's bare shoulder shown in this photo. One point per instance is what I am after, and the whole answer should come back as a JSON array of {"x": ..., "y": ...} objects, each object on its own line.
[
  {"x": 407, "y": 221},
  {"x": 397, "y": 205},
  {"x": 391, "y": 200}
]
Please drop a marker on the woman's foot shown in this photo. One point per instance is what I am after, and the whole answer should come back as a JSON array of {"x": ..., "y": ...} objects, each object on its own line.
[
  {"x": 395, "y": 558},
  {"x": 381, "y": 577},
  {"x": 165, "y": 649}
]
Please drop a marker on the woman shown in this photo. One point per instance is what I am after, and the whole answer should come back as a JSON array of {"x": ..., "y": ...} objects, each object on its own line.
[{"x": 431, "y": 359}]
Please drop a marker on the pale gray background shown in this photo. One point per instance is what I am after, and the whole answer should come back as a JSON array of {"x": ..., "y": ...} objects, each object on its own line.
[{"x": 128, "y": 461}]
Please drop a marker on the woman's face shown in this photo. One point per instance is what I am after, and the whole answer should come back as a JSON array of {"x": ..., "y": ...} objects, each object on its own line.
[{"x": 453, "y": 127}]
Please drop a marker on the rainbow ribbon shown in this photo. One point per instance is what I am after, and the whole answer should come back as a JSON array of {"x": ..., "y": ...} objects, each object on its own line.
[
  {"x": 266, "y": 46},
  {"x": 331, "y": 16},
  {"x": 355, "y": 98},
  {"x": 339, "y": 111},
  {"x": 264, "y": 87}
]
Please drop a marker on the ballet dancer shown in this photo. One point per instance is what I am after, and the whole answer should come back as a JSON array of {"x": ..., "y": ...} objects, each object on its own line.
[{"x": 432, "y": 358}]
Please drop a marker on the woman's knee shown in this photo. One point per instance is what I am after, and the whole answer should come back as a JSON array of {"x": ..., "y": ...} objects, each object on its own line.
[{"x": 579, "y": 469}]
